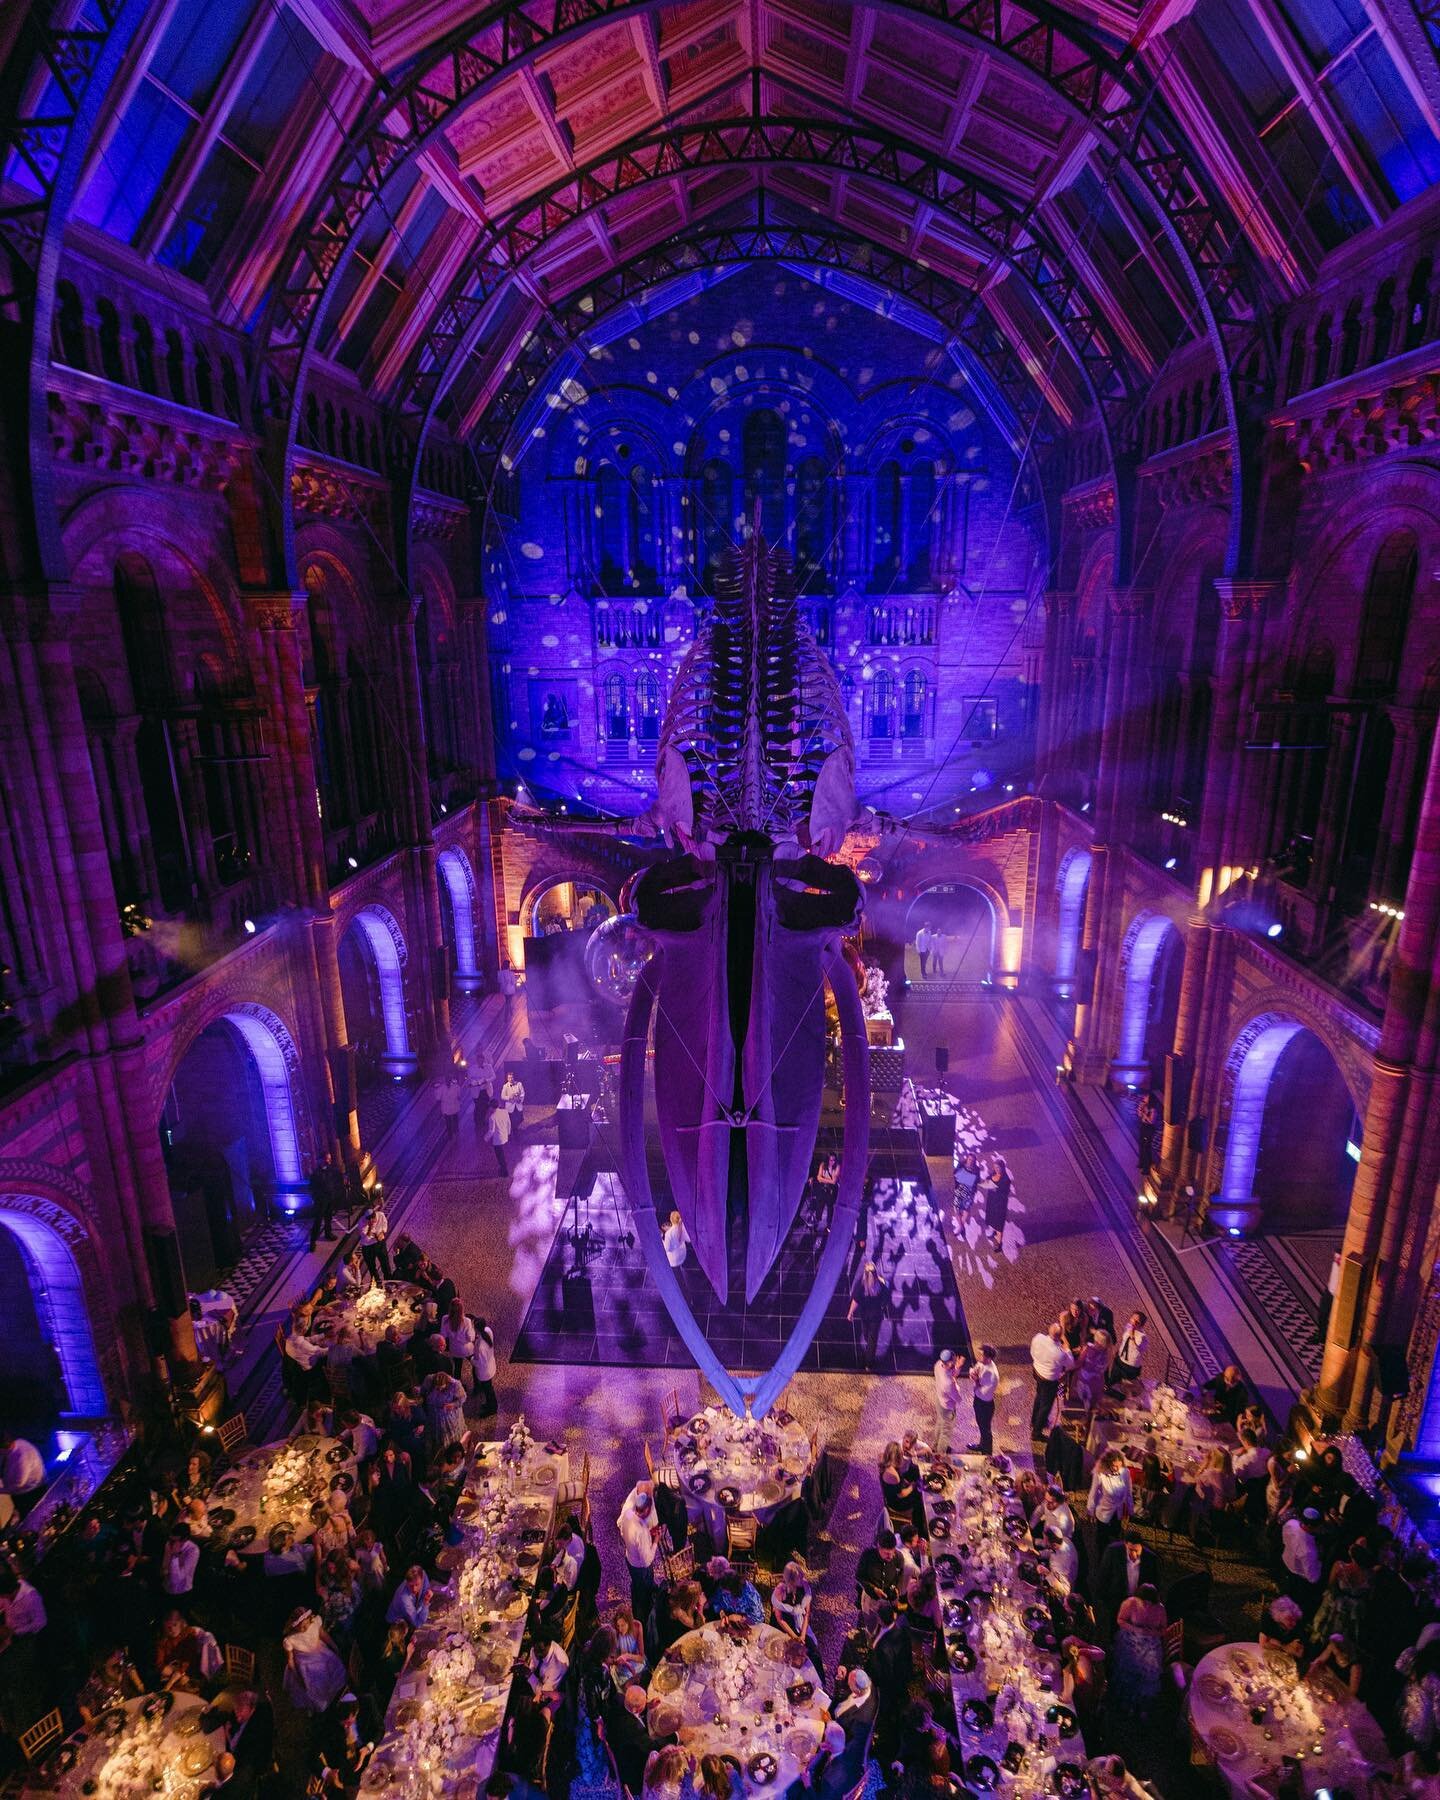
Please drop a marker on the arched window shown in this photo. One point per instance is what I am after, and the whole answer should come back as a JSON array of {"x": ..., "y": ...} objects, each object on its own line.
[
  {"x": 1322, "y": 351},
  {"x": 611, "y": 501},
  {"x": 204, "y": 386},
  {"x": 70, "y": 326},
  {"x": 713, "y": 527},
  {"x": 175, "y": 367},
  {"x": 912, "y": 718},
  {"x": 1382, "y": 324},
  {"x": 923, "y": 506},
  {"x": 111, "y": 366},
  {"x": 647, "y": 707},
  {"x": 1417, "y": 305},
  {"x": 763, "y": 443},
  {"x": 146, "y": 642},
  {"x": 1350, "y": 339},
  {"x": 1388, "y": 594},
  {"x": 642, "y": 527},
  {"x": 882, "y": 705},
  {"x": 812, "y": 524},
  {"x": 886, "y": 561},
  {"x": 145, "y": 355},
  {"x": 617, "y": 713}
]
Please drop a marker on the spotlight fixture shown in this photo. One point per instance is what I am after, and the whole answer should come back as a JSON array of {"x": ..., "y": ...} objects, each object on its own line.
[
  {"x": 352, "y": 862},
  {"x": 1275, "y": 930},
  {"x": 251, "y": 928},
  {"x": 1386, "y": 910},
  {"x": 1170, "y": 861},
  {"x": 1175, "y": 819}
]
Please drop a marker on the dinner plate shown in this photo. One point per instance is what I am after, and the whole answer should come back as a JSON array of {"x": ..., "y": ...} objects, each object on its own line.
[
  {"x": 762, "y": 1768},
  {"x": 196, "y": 1758},
  {"x": 940, "y": 1528},
  {"x": 1063, "y": 1719},
  {"x": 775, "y": 1648},
  {"x": 546, "y": 1475},
  {"x": 1214, "y": 1689},
  {"x": 769, "y": 1492},
  {"x": 983, "y": 1772},
  {"x": 191, "y": 1724},
  {"x": 223, "y": 1488},
  {"x": 728, "y": 1497},
  {"x": 338, "y": 1455},
  {"x": 1068, "y": 1780},
  {"x": 666, "y": 1720},
  {"x": 977, "y": 1715},
  {"x": 242, "y": 1536},
  {"x": 667, "y": 1679},
  {"x": 221, "y": 1516},
  {"x": 800, "y": 1743},
  {"x": 1225, "y": 1744}
]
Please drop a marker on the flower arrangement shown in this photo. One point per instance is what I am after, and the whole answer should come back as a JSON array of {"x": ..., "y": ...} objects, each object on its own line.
[
  {"x": 874, "y": 993},
  {"x": 519, "y": 1443}
]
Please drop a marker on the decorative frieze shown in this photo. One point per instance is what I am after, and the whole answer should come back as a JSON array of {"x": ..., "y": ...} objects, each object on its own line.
[{"x": 108, "y": 435}]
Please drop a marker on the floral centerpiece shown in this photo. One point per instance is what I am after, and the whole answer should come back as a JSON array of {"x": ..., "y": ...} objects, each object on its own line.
[{"x": 519, "y": 1443}]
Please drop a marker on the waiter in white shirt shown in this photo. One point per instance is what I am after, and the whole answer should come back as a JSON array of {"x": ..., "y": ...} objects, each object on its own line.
[
  {"x": 985, "y": 1383},
  {"x": 640, "y": 1534},
  {"x": 1051, "y": 1361},
  {"x": 22, "y": 1471},
  {"x": 947, "y": 1398},
  {"x": 1128, "y": 1354}
]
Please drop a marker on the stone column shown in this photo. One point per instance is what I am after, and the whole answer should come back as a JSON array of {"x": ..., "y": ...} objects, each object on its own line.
[
  {"x": 1399, "y": 1146},
  {"x": 1409, "y": 724},
  {"x": 475, "y": 702},
  {"x": 1054, "y": 679},
  {"x": 1181, "y": 1094},
  {"x": 421, "y": 894},
  {"x": 1225, "y": 830}
]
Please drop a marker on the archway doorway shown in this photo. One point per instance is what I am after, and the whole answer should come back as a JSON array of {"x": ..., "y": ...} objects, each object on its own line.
[
  {"x": 964, "y": 918},
  {"x": 1071, "y": 889},
  {"x": 1293, "y": 1135},
  {"x": 1151, "y": 1002},
  {"x": 49, "y": 1369},
  {"x": 372, "y": 982},
  {"x": 457, "y": 917},
  {"x": 561, "y": 915},
  {"x": 230, "y": 1137}
]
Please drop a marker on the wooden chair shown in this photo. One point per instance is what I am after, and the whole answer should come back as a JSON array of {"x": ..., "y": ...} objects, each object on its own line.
[
  {"x": 239, "y": 1665},
  {"x": 670, "y": 1411},
  {"x": 679, "y": 1565},
  {"x": 1172, "y": 1651},
  {"x": 36, "y": 1739},
  {"x": 741, "y": 1531},
  {"x": 232, "y": 1433},
  {"x": 575, "y": 1492}
]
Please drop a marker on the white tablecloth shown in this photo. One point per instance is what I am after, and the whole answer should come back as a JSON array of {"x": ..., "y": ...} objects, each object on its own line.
[
  {"x": 728, "y": 1694},
  {"x": 368, "y": 1315},
  {"x": 124, "y": 1752},
  {"x": 758, "y": 1468},
  {"x": 276, "y": 1484},
  {"x": 1339, "y": 1742}
]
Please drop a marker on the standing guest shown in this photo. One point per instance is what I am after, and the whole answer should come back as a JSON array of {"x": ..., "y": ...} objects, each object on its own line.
[
  {"x": 1092, "y": 1370},
  {"x": 178, "y": 1562},
  {"x": 22, "y": 1471},
  {"x": 346, "y": 1744},
  {"x": 374, "y": 1230},
  {"x": 314, "y": 1673},
  {"x": 451, "y": 1094},
  {"x": 483, "y": 1363},
  {"x": 1300, "y": 1554},
  {"x": 1125, "y": 1567},
  {"x": 327, "y": 1193},
  {"x": 869, "y": 1303},
  {"x": 640, "y": 1534},
  {"x": 1153, "y": 1488},
  {"x": 340, "y": 1361},
  {"x": 1327, "y": 1299},
  {"x": 676, "y": 1240},
  {"x": 1100, "y": 1316},
  {"x": 997, "y": 1200},
  {"x": 22, "y": 1611},
  {"x": 923, "y": 940},
  {"x": 1128, "y": 1353},
  {"x": 1051, "y": 1362},
  {"x": 947, "y": 1398},
  {"x": 444, "y": 1407},
  {"x": 984, "y": 1376},
  {"x": 497, "y": 1136},
  {"x": 1112, "y": 1498},
  {"x": 1147, "y": 1124},
  {"x": 459, "y": 1334},
  {"x": 1137, "y": 1655},
  {"x": 1345, "y": 1604},
  {"x": 112, "y": 1682},
  {"x": 939, "y": 942},
  {"x": 898, "y": 1484},
  {"x": 878, "y": 1574},
  {"x": 1075, "y": 1325},
  {"x": 512, "y": 1098},
  {"x": 1251, "y": 1464}
]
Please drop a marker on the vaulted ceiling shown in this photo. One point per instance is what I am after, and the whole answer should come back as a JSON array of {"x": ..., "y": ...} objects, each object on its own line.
[{"x": 412, "y": 190}]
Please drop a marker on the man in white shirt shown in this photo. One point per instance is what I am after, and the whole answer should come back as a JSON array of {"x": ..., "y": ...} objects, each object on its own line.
[
  {"x": 497, "y": 1136},
  {"x": 1063, "y": 1557},
  {"x": 640, "y": 1534},
  {"x": 1304, "y": 1568},
  {"x": 923, "y": 939},
  {"x": 22, "y": 1471},
  {"x": 985, "y": 1382},
  {"x": 1128, "y": 1353},
  {"x": 1051, "y": 1362},
  {"x": 947, "y": 1398},
  {"x": 22, "y": 1611},
  {"x": 306, "y": 1351},
  {"x": 179, "y": 1561},
  {"x": 1053, "y": 1514},
  {"x": 450, "y": 1097},
  {"x": 569, "y": 1555},
  {"x": 512, "y": 1098},
  {"x": 374, "y": 1230}
]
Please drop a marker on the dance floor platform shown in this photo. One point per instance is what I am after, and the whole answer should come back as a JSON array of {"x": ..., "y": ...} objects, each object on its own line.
[{"x": 595, "y": 1301}]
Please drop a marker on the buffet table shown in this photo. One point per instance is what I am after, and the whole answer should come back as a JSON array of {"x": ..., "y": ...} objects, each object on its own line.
[
  {"x": 155, "y": 1743},
  {"x": 1251, "y": 1714},
  {"x": 284, "y": 1483},
  {"x": 442, "y": 1729},
  {"x": 999, "y": 1637},
  {"x": 731, "y": 1465},
  {"x": 748, "y": 1691}
]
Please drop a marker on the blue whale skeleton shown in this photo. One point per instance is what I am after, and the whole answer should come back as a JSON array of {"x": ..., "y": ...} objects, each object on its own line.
[{"x": 756, "y": 791}]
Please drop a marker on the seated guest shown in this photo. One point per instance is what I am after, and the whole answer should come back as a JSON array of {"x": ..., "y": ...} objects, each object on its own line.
[
  {"x": 890, "y": 1659},
  {"x": 1252, "y": 1418},
  {"x": 569, "y": 1554},
  {"x": 1063, "y": 1557},
  {"x": 1282, "y": 1627},
  {"x": 194, "y": 1480},
  {"x": 682, "y": 1609},
  {"x": 1340, "y": 1660},
  {"x": 405, "y": 1427},
  {"x": 346, "y": 1743},
  {"x": 897, "y": 1484},
  {"x": 411, "y": 1602},
  {"x": 249, "y": 1732},
  {"x": 729, "y": 1595},
  {"x": 352, "y": 1277},
  {"x": 1054, "y": 1513},
  {"x": 628, "y": 1736},
  {"x": 1152, "y": 1489},
  {"x": 1226, "y": 1394},
  {"x": 340, "y": 1370},
  {"x": 667, "y": 1774},
  {"x": 358, "y": 1433},
  {"x": 525, "y": 1739},
  {"x": 391, "y": 1658},
  {"x": 111, "y": 1682},
  {"x": 335, "y": 1529},
  {"x": 1214, "y": 1488},
  {"x": 790, "y": 1607},
  {"x": 337, "y": 1587},
  {"x": 178, "y": 1652}
]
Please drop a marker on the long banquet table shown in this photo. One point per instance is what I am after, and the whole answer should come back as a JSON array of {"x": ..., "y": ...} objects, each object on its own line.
[
  {"x": 442, "y": 1728},
  {"x": 750, "y": 1692},
  {"x": 999, "y": 1638}
]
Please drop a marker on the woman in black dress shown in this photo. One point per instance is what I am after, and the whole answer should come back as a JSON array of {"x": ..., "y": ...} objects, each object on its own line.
[{"x": 997, "y": 1200}]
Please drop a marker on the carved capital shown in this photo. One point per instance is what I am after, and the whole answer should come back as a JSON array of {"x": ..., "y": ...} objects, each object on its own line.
[
  {"x": 279, "y": 611},
  {"x": 1131, "y": 602},
  {"x": 1059, "y": 603},
  {"x": 1244, "y": 599}
]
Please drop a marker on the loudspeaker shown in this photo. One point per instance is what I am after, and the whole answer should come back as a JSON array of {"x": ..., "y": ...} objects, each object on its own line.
[
  {"x": 577, "y": 1298},
  {"x": 167, "y": 1276},
  {"x": 942, "y": 1059},
  {"x": 1197, "y": 1135},
  {"x": 342, "y": 1076},
  {"x": 157, "y": 1332},
  {"x": 1392, "y": 1371},
  {"x": 1177, "y": 1088},
  {"x": 1345, "y": 1309}
]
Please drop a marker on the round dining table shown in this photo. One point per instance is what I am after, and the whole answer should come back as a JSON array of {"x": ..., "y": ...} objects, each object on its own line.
[
  {"x": 368, "y": 1315},
  {"x": 277, "y": 1484},
  {"x": 153, "y": 1743},
  {"x": 738, "y": 1466},
  {"x": 749, "y": 1692},
  {"x": 1253, "y": 1715}
]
